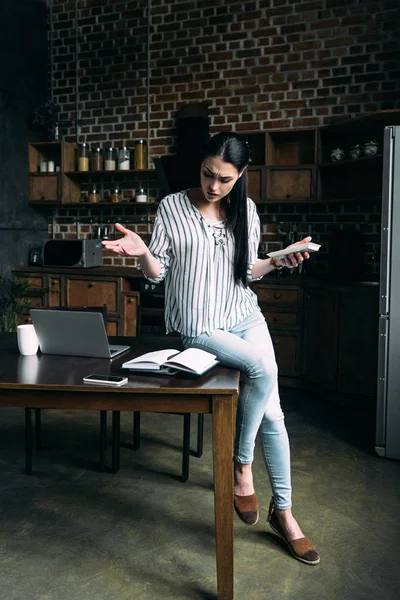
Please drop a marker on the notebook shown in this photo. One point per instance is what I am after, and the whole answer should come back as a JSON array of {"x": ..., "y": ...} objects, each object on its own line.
[
  {"x": 169, "y": 361},
  {"x": 73, "y": 333}
]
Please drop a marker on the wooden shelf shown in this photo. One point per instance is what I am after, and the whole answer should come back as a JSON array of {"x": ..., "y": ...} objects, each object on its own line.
[
  {"x": 376, "y": 158},
  {"x": 125, "y": 203},
  {"x": 84, "y": 174}
]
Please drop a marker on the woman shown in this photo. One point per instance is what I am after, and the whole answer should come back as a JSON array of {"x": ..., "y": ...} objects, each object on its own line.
[{"x": 204, "y": 244}]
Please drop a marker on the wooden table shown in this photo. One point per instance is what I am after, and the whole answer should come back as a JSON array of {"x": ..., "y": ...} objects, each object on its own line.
[{"x": 56, "y": 382}]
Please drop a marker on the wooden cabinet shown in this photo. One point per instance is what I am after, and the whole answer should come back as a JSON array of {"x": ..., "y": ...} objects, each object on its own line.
[
  {"x": 65, "y": 184},
  {"x": 320, "y": 337},
  {"x": 60, "y": 288},
  {"x": 340, "y": 343},
  {"x": 281, "y": 306}
]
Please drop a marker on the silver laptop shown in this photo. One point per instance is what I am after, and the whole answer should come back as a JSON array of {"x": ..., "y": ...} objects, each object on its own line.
[{"x": 73, "y": 333}]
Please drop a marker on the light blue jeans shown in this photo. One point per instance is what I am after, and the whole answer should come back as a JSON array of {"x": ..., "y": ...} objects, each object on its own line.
[{"x": 248, "y": 347}]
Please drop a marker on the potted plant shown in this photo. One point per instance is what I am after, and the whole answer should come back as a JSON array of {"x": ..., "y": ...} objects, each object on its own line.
[{"x": 12, "y": 301}]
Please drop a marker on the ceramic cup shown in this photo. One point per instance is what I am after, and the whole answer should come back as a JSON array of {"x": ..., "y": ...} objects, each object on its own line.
[{"x": 27, "y": 340}]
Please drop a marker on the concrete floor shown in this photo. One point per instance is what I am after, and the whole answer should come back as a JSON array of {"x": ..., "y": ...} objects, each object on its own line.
[{"x": 71, "y": 533}]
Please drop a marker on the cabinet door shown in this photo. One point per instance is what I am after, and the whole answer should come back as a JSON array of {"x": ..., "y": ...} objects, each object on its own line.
[
  {"x": 320, "y": 337},
  {"x": 131, "y": 307},
  {"x": 44, "y": 188},
  {"x": 93, "y": 292},
  {"x": 358, "y": 343},
  {"x": 286, "y": 346},
  {"x": 255, "y": 183},
  {"x": 289, "y": 184}
]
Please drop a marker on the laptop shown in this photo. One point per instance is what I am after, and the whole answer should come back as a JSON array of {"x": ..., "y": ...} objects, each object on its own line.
[{"x": 73, "y": 333}]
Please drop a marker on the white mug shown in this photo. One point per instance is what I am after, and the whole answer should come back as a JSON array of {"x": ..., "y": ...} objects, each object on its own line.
[{"x": 27, "y": 340}]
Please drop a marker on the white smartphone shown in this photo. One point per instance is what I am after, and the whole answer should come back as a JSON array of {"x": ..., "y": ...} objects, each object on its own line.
[{"x": 115, "y": 380}]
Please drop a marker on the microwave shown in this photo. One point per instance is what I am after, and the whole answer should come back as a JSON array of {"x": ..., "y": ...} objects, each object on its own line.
[{"x": 72, "y": 253}]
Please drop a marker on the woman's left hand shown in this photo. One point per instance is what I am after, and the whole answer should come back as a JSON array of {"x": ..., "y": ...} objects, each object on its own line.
[{"x": 293, "y": 260}]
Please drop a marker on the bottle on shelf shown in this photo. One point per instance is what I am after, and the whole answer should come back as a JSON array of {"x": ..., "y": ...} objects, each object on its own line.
[
  {"x": 94, "y": 195},
  {"x": 83, "y": 157},
  {"x": 116, "y": 196},
  {"x": 140, "y": 155},
  {"x": 141, "y": 195},
  {"x": 109, "y": 160},
  {"x": 123, "y": 159},
  {"x": 97, "y": 159}
]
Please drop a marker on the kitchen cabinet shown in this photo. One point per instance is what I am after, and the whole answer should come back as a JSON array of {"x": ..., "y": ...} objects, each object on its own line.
[
  {"x": 281, "y": 305},
  {"x": 283, "y": 165},
  {"x": 340, "y": 342},
  {"x": 67, "y": 186},
  {"x": 114, "y": 288}
]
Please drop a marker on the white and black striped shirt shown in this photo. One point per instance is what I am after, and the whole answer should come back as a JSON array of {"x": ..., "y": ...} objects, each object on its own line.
[{"x": 196, "y": 261}]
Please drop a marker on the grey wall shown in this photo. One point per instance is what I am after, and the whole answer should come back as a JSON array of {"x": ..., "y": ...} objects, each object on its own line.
[{"x": 23, "y": 86}]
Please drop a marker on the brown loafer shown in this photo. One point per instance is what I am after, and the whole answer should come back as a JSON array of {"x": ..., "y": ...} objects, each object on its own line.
[
  {"x": 302, "y": 548},
  {"x": 246, "y": 508}
]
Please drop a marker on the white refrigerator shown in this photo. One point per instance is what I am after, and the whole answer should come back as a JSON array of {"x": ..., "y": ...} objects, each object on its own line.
[{"x": 387, "y": 441}]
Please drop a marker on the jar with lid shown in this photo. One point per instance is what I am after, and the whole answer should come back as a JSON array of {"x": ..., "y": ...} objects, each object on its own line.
[
  {"x": 116, "y": 196},
  {"x": 83, "y": 157},
  {"x": 355, "y": 151},
  {"x": 97, "y": 159},
  {"x": 141, "y": 195},
  {"x": 94, "y": 195},
  {"x": 109, "y": 160},
  {"x": 123, "y": 159},
  {"x": 370, "y": 148},
  {"x": 140, "y": 155}
]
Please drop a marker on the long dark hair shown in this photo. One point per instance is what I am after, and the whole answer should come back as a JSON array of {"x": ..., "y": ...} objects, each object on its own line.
[{"x": 233, "y": 149}]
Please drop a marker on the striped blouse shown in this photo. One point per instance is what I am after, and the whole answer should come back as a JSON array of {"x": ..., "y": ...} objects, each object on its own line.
[{"x": 196, "y": 259}]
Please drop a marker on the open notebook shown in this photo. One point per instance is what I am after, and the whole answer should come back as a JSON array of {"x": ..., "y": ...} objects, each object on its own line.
[{"x": 192, "y": 360}]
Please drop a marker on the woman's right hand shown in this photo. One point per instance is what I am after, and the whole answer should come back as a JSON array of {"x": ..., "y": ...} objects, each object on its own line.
[{"x": 129, "y": 245}]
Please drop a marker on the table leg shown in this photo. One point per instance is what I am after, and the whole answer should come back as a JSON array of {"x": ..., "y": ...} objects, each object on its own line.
[
  {"x": 222, "y": 427},
  {"x": 116, "y": 419},
  {"x": 28, "y": 441}
]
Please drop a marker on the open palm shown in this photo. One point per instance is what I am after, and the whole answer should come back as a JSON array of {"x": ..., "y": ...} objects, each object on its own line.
[{"x": 129, "y": 245}]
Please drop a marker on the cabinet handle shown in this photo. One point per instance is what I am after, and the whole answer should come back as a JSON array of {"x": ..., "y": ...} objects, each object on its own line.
[
  {"x": 53, "y": 283},
  {"x": 130, "y": 300},
  {"x": 43, "y": 197},
  {"x": 276, "y": 342},
  {"x": 91, "y": 284},
  {"x": 289, "y": 195},
  {"x": 277, "y": 295}
]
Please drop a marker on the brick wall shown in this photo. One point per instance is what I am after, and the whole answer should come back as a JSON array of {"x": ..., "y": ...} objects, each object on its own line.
[{"x": 259, "y": 65}]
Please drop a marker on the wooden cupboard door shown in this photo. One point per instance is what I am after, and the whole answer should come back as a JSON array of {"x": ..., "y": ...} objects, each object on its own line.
[
  {"x": 44, "y": 188},
  {"x": 321, "y": 337},
  {"x": 289, "y": 184},
  {"x": 112, "y": 328},
  {"x": 34, "y": 281},
  {"x": 131, "y": 310},
  {"x": 358, "y": 343},
  {"x": 255, "y": 187},
  {"x": 54, "y": 291},
  {"x": 93, "y": 292},
  {"x": 286, "y": 353}
]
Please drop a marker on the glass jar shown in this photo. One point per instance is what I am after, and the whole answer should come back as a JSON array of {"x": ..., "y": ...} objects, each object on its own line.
[
  {"x": 370, "y": 148},
  {"x": 109, "y": 160},
  {"x": 83, "y": 157},
  {"x": 97, "y": 159},
  {"x": 116, "y": 196},
  {"x": 123, "y": 159},
  {"x": 141, "y": 195},
  {"x": 355, "y": 151},
  {"x": 94, "y": 195},
  {"x": 140, "y": 155},
  {"x": 337, "y": 154}
]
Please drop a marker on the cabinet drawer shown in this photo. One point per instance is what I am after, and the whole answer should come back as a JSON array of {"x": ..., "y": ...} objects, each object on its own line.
[
  {"x": 93, "y": 292},
  {"x": 35, "y": 282},
  {"x": 280, "y": 318},
  {"x": 277, "y": 295},
  {"x": 286, "y": 352}
]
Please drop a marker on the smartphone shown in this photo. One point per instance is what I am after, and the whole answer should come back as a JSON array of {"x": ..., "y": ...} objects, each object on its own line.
[{"x": 115, "y": 380}]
